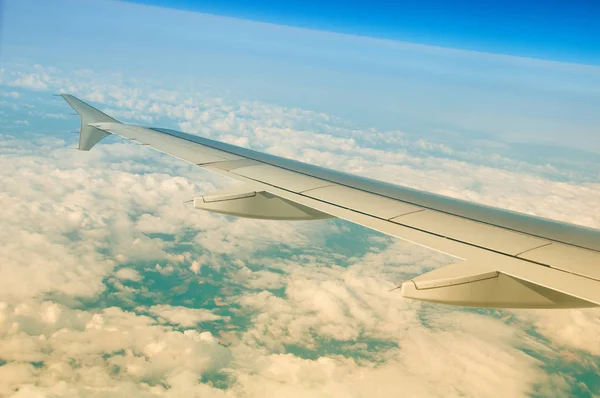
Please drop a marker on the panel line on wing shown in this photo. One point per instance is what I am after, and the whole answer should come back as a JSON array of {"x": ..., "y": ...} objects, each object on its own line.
[
  {"x": 406, "y": 214},
  {"x": 534, "y": 248}
]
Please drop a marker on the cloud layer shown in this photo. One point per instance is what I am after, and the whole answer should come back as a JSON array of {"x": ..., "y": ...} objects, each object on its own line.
[{"x": 112, "y": 285}]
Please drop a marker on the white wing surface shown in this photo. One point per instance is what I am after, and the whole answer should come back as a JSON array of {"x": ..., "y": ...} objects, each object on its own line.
[{"x": 509, "y": 260}]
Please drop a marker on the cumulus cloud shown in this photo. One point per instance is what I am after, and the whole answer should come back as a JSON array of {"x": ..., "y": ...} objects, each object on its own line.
[
  {"x": 11, "y": 94},
  {"x": 128, "y": 274},
  {"x": 38, "y": 80},
  {"x": 429, "y": 363},
  {"x": 55, "y": 116},
  {"x": 183, "y": 316},
  {"x": 325, "y": 300},
  {"x": 195, "y": 267},
  {"x": 569, "y": 329},
  {"x": 335, "y": 313},
  {"x": 84, "y": 352},
  {"x": 65, "y": 225}
]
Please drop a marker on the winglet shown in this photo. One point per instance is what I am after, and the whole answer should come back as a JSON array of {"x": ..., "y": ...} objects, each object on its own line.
[{"x": 88, "y": 135}]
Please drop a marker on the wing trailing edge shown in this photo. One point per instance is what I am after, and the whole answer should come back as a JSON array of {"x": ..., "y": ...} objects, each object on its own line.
[{"x": 469, "y": 285}]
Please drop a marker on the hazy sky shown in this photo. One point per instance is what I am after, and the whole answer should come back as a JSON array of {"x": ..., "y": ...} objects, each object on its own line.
[{"x": 375, "y": 83}]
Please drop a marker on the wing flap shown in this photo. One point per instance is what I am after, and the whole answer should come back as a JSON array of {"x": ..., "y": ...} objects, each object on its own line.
[
  {"x": 469, "y": 285},
  {"x": 257, "y": 204}
]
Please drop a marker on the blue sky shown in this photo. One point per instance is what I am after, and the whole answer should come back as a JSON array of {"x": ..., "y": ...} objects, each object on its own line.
[
  {"x": 372, "y": 82},
  {"x": 553, "y": 29}
]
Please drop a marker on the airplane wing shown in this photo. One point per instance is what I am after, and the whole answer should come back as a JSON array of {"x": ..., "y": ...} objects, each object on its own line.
[{"x": 509, "y": 259}]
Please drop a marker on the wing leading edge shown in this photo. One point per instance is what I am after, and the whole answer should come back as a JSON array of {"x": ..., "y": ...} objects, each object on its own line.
[{"x": 512, "y": 260}]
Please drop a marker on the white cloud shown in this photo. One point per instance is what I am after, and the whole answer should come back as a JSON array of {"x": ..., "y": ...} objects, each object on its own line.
[
  {"x": 22, "y": 122},
  {"x": 15, "y": 376},
  {"x": 183, "y": 316},
  {"x": 35, "y": 81},
  {"x": 568, "y": 329},
  {"x": 419, "y": 372},
  {"x": 166, "y": 270},
  {"x": 338, "y": 303},
  {"x": 95, "y": 97},
  {"x": 57, "y": 220},
  {"x": 112, "y": 350},
  {"x": 11, "y": 94},
  {"x": 195, "y": 267},
  {"x": 260, "y": 279},
  {"x": 230, "y": 236},
  {"x": 449, "y": 353},
  {"x": 61, "y": 116},
  {"x": 128, "y": 274}
]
